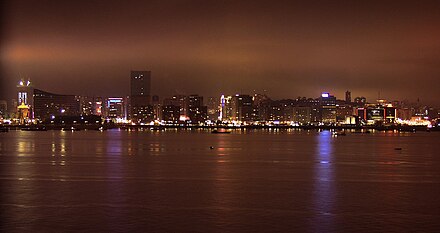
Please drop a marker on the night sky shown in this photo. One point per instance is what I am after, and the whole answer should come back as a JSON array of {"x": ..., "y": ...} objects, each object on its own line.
[{"x": 215, "y": 47}]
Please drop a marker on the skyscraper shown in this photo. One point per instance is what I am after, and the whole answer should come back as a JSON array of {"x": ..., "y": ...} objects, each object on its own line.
[
  {"x": 327, "y": 104},
  {"x": 140, "y": 83},
  {"x": 140, "y": 88},
  {"x": 348, "y": 97}
]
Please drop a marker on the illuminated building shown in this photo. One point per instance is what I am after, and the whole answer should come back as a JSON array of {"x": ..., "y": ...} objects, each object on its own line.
[
  {"x": 171, "y": 113},
  {"x": 3, "y": 107},
  {"x": 86, "y": 105},
  {"x": 377, "y": 114},
  {"x": 157, "y": 110},
  {"x": 343, "y": 111},
  {"x": 196, "y": 111},
  {"x": 213, "y": 109},
  {"x": 140, "y": 83},
  {"x": 360, "y": 101},
  {"x": 23, "y": 113},
  {"x": 115, "y": 108},
  {"x": 25, "y": 94},
  {"x": 97, "y": 106},
  {"x": 140, "y": 87},
  {"x": 226, "y": 108},
  {"x": 48, "y": 105},
  {"x": 327, "y": 109},
  {"x": 242, "y": 107},
  {"x": 302, "y": 114},
  {"x": 276, "y": 112}
]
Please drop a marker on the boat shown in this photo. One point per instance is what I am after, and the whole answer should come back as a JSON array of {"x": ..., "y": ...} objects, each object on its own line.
[
  {"x": 339, "y": 133},
  {"x": 220, "y": 131},
  {"x": 3, "y": 130}
]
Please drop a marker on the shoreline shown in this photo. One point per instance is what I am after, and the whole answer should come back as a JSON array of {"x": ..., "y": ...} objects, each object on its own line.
[{"x": 72, "y": 127}]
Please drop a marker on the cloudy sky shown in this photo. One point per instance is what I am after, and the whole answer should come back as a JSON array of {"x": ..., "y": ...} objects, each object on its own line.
[{"x": 288, "y": 48}]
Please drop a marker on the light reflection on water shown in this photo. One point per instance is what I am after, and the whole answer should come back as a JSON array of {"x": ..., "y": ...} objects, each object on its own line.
[
  {"x": 324, "y": 190},
  {"x": 255, "y": 180}
]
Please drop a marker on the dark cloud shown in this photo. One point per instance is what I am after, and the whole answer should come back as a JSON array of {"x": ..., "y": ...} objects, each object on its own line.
[{"x": 212, "y": 47}]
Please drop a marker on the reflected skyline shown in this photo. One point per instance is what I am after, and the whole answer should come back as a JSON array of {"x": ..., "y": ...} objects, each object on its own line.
[{"x": 270, "y": 180}]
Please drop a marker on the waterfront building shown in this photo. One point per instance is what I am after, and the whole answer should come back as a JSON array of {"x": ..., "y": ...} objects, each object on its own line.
[
  {"x": 157, "y": 110},
  {"x": 171, "y": 114},
  {"x": 343, "y": 111},
  {"x": 213, "y": 108},
  {"x": 302, "y": 114},
  {"x": 140, "y": 102},
  {"x": 226, "y": 108},
  {"x": 25, "y": 94},
  {"x": 242, "y": 107},
  {"x": 23, "y": 113},
  {"x": 115, "y": 108},
  {"x": 377, "y": 114},
  {"x": 48, "y": 105},
  {"x": 196, "y": 112},
  {"x": 86, "y": 105},
  {"x": 327, "y": 110},
  {"x": 98, "y": 106}
]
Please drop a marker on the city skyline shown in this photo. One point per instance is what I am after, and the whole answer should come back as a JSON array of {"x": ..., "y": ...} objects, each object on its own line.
[{"x": 212, "y": 48}]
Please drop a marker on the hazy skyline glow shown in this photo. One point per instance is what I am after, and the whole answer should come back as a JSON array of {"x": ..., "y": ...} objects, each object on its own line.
[{"x": 214, "y": 47}]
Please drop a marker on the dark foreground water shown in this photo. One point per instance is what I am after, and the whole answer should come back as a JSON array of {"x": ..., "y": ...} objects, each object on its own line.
[{"x": 252, "y": 181}]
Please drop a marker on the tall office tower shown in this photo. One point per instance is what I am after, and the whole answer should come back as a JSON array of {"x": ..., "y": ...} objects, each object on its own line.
[
  {"x": 196, "y": 111},
  {"x": 213, "y": 108},
  {"x": 327, "y": 104},
  {"x": 140, "y": 102},
  {"x": 140, "y": 83},
  {"x": 25, "y": 93},
  {"x": 242, "y": 107},
  {"x": 348, "y": 97}
]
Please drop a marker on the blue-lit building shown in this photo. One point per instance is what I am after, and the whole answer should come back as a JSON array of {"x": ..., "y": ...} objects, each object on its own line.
[
  {"x": 115, "y": 108},
  {"x": 327, "y": 108}
]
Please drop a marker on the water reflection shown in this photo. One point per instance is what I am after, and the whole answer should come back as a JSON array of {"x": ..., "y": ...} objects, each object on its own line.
[
  {"x": 25, "y": 147},
  {"x": 115, "y": 189},
  {"x": 324, "y": 190},
  {"x": 58, "y": 148}
]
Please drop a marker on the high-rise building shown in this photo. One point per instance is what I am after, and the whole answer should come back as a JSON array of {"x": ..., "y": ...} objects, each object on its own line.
[
  {"x": 302, "y": 114},
  {"x": 196, "y": 111},
  {"x": 171, "y": 113},
  {"x": 242, "y": 107},
  {"x": 140, "y": 83},
  {"x": 140, "y": 102},
  {"x": 115, "y": 107},
  {"x": 225, "y": 108},
  {"x": 327, "y": 104},
  {"x": 348, "y": 97},
  {"x": 25, "y": 96},
  {"x": 213, "y": 108}
]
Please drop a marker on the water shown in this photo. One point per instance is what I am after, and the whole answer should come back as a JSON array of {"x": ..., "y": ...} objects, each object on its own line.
[{"x": 251, "y": 181}]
